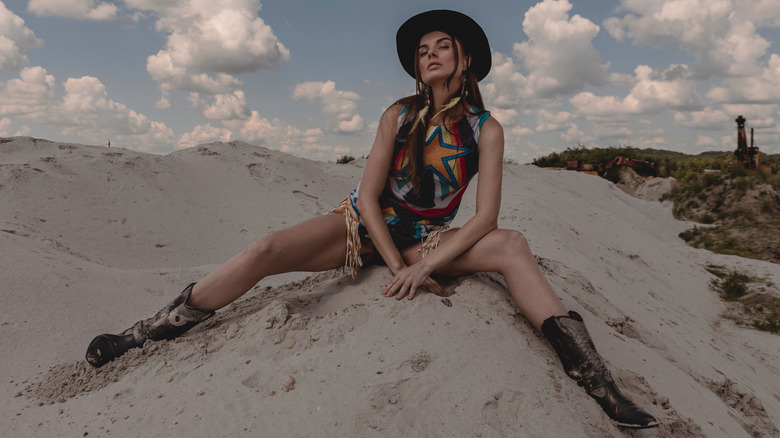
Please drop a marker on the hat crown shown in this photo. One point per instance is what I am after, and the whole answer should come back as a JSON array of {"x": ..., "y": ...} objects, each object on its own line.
[{"x": 463, "y": 27}]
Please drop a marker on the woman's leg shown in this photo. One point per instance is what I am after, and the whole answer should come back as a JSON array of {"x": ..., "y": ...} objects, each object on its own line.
[
  {"x": 317, "y": 244},
  {"x": 314, "y": 245},
  {"x": 506, "y": 252}
]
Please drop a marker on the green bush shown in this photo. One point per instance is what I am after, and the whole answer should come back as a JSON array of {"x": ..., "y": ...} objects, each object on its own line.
[
  {"x": 710, "y": 179},
  {"x": 733, "y": 286},
  {"x": 738, "y": 172},
  {"x": 689, "y": 235},
  {"x": 345, "y": 159},
  {"x": 707, "y": 218},
  {"x": 741, "y": 184}
]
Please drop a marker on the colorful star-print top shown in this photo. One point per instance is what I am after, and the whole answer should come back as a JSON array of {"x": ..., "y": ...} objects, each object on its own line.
[{"x": 451, "y": 159}]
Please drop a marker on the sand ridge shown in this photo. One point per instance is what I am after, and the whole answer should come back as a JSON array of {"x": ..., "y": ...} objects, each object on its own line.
[{"x": 91, "y": 243}]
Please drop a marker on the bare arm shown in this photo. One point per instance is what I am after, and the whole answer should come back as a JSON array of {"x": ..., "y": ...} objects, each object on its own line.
[
  {"x": 485, "y": 220},
  {"x": 373, "y": 182}
]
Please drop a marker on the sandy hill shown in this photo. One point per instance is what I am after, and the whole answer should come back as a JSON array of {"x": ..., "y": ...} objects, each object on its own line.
[{"x": 94, "y": 239}]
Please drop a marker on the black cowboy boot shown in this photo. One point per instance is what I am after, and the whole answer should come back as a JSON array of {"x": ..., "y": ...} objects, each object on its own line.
[
  {"x": 575, "y": 348},
  {"x": 170, "y": 322}
]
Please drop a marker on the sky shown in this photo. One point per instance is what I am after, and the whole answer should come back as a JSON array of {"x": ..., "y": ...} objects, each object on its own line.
[{"x": 311, "y": 78}]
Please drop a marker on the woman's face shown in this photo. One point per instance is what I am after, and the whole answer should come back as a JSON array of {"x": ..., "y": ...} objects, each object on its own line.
[{"x": 436, "y": 58}]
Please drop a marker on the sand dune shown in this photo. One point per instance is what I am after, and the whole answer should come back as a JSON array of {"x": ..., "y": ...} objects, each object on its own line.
[{"x": 94, "y": 239}]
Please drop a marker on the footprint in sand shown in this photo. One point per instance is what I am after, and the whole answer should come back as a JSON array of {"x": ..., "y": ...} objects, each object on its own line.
[
  {"x": 745, "y": 407},
  {"x": 305, "y": 196}
]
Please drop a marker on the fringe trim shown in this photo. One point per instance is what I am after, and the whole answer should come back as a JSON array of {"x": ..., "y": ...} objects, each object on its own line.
[
  {"x": 353, "y": 262},
  {"x": 431, "y": 242}
]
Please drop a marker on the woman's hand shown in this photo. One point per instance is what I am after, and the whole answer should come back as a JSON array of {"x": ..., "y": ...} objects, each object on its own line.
[{"x": 409, "y": 279}]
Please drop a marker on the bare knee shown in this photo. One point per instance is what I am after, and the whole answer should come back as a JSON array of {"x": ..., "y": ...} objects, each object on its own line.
[
  {"x": 263, "y": 248},
  {"x": 513, "y": 247}
]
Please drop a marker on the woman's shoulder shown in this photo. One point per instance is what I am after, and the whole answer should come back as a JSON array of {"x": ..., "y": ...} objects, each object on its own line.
[
  {"x": 402, "y": 105},
  {"x": 490, "y": 123},
  {"x": 491, "y": 131},
  {"x": 482, "y": 121},
  {"x": 395, "y": 110},
  {"x": 389, "y": 122},
  {"x": 391, "y": 115}
]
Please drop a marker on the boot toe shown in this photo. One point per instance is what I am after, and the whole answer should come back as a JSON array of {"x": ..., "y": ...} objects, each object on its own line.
[
  {"x": 105, "y": 348},
  {"x": 621, "y": 410},
  {"x": 632, "y": 417}
]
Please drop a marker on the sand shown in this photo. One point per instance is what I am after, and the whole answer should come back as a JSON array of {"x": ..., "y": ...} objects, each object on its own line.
[{"x": 94, "y": 239}]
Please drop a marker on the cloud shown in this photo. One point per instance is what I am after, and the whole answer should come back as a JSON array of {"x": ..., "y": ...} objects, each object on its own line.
[
  {"x": 721, "y": 35},
  {"x": 15, "y": 40},
  {"x": 572, "y": 134},
  {"x": 505, "y": 116},
  {"x": 32, "y": 94},
  {"x": 702, "y": 141},
  {"x": 5, "y": 129},
  {"x": 763, "y": 117},
  {"x": 164, "y": 102},
  {"x": 84, "y": 110},
  {"x": 78, "y": 9},
  {"x": 209, "y": 43},
  {"x": 272, "y": 133},
  {"x": 337, "y": 106},
  {"x": 505, "y": 87},
  {"x": 607, "y": 131},
  {"x": 706, "y": 119},
  {"x": 622, "y": 80},
  {"x": 557, "y": 59},
  {"x": 282, "y": 136},
  {"x": 5, "y": 124},
  {"x": 204, "y": 134},
  {"x": 762, "y": 88},
  {"x": 228, "y": 106},
  {"x": 653, "y": 92},
  {"x": 520, "y": 131},
  {"x": 548, "y": 121},
  {"x": 170, "y": 76},
  {"x": 559, "y": 53}
]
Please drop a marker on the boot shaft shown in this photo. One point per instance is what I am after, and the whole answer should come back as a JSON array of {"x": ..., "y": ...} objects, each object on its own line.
[
  {"x": 574, "y": 346},
  {"x": 572, "y": 343},
  {"x": 171, "y": 321}
]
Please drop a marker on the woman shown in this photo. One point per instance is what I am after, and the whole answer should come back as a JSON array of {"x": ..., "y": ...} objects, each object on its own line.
[{"x": 427, "y": 148}]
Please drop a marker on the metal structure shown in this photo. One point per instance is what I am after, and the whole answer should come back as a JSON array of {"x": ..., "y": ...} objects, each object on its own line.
[{"x": 748, "y": 156}]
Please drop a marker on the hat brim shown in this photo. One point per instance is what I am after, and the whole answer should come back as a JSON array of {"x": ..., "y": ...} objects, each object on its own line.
[{"x": 470, "y": 34}]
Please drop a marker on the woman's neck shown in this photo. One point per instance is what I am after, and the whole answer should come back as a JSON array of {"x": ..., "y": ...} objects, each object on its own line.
[{"x": 441, "y": 97}]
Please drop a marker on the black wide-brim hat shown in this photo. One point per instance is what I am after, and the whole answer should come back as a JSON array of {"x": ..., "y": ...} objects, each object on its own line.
[{"x": 466, "y": 30}]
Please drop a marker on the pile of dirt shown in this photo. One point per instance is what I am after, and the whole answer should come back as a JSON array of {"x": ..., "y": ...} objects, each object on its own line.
[
  {"x": 741, "y": 214},
  {"x": 644, "y": 187}
]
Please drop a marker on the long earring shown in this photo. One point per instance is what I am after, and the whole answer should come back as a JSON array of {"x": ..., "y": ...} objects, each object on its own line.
[
  {"x": 424, "y": 110},
  {"x": 463, "y": 92},
  {"x": 454, "y": 101}
]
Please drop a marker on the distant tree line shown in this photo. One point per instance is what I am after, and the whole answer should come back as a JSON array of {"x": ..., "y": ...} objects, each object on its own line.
[{"x": 678, "y": 165}]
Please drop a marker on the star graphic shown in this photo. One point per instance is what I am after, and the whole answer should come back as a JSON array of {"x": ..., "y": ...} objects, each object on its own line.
[{"x": 441, "y": 154}]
